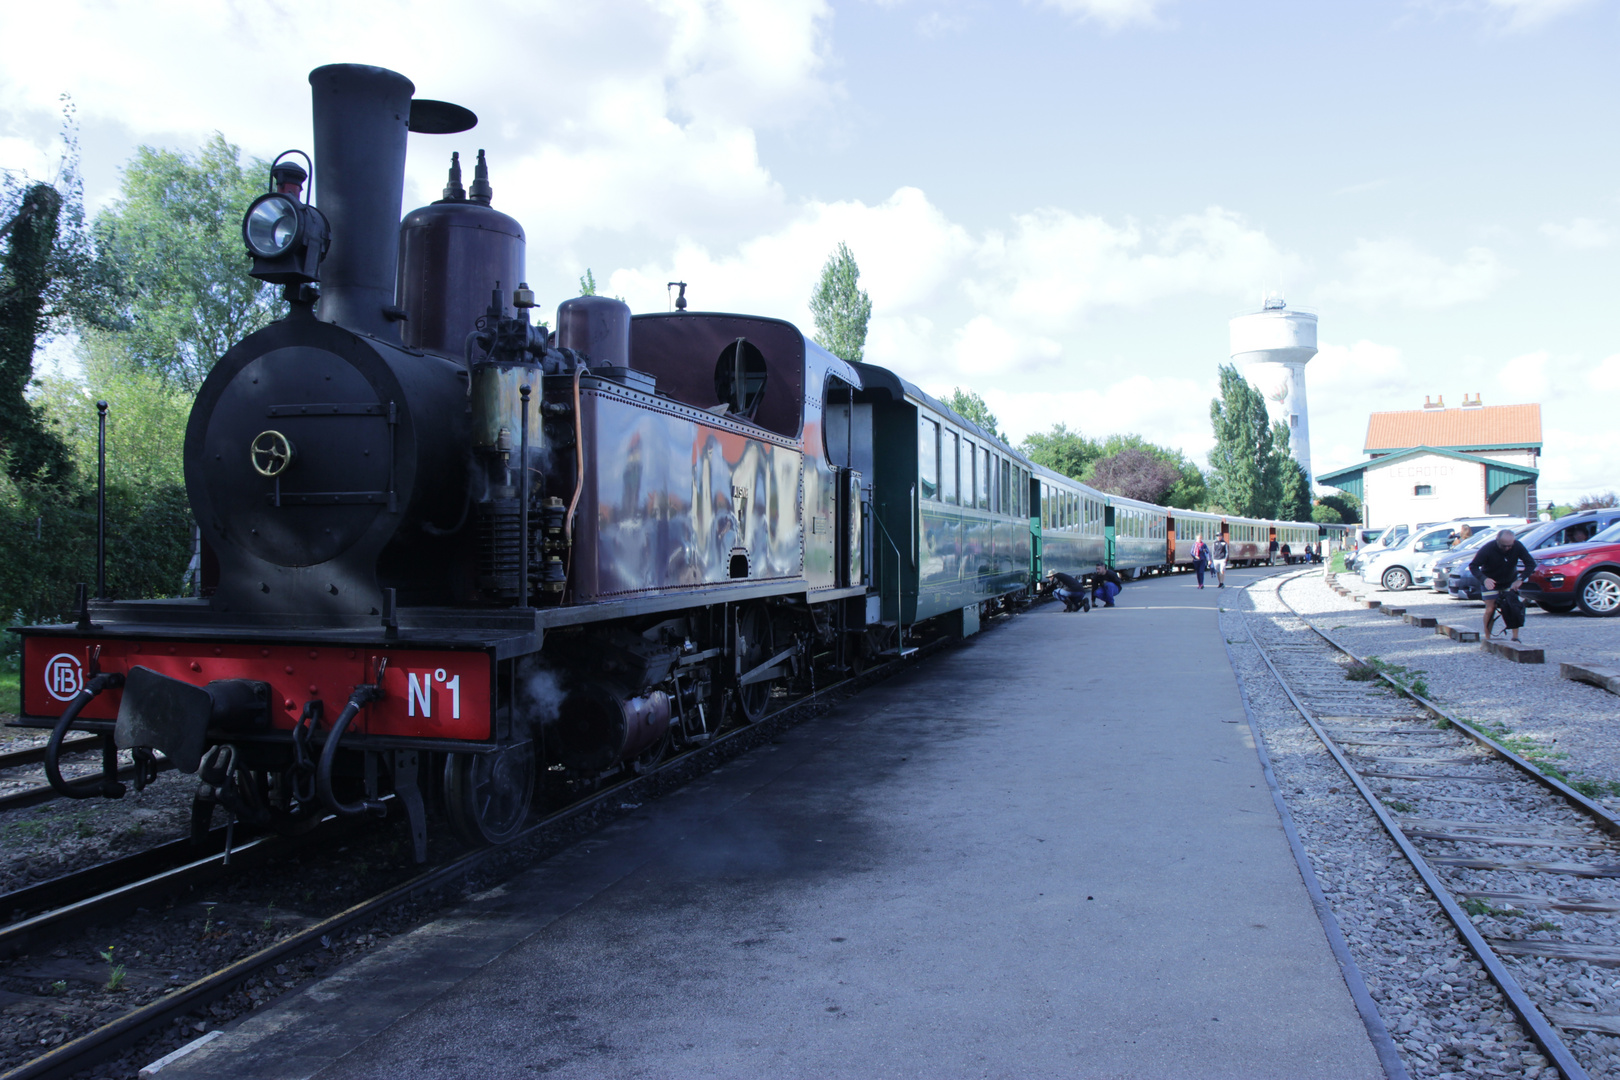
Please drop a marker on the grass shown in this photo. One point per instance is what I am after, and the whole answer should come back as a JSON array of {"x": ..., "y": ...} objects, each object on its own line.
[
  {"x": 1398, "y": 806},
  {"x": 10, "y": 692},
  {"x": 1544, "y": 760},
  {"x": 115, "y": 971},
  {"x": 1406, "y": 678},
  {"x": 1336, "y": 562},
  {"x": 1477, "y": 906}
]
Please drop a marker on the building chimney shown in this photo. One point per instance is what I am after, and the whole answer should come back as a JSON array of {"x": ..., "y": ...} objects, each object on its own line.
[
  {"x": 1472, "y": 403},
  {"x": 1438, "y": 403}
]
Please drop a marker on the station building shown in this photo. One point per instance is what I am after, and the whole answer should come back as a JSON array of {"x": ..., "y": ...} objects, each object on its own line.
[{"x": 1435, "y": 463}]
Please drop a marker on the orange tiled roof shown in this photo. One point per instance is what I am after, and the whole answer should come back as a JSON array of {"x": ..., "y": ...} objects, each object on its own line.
[{"x": 1455, "y": 429}]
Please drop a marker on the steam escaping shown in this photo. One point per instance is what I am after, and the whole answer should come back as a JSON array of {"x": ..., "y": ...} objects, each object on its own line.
[{"x": 540, "y": 694}]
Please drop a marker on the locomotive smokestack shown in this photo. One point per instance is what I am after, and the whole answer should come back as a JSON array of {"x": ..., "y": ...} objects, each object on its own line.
[{"x": 362, "y": 115}]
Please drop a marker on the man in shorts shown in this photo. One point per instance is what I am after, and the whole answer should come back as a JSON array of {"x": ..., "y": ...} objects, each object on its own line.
[
  {"x": 1496, "y": 563},
  {"x": 1219, "y": 562}
]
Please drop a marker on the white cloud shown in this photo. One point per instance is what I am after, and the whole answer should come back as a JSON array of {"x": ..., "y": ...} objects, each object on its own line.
[
  {"x": 1579, "y": 233},
  {"x": 617, "y": 115},
  {"x": 1605, "y": 375},
  {"x": 1016, "y": 298},
  {"x": 1166, "y": 409},
  {"x": 1397, "y": 272},
  {"x": 1520, "y": 14},
  {"x": 1506, "y": 15},
  {"x": 1113, "y": 14},
  {"x": 1524, "y": 378}
]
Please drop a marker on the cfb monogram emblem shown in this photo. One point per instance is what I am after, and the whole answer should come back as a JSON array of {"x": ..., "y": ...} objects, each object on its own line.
[
  {"x": 64, "y": 676},
  {"x": 272, "y": 453}
]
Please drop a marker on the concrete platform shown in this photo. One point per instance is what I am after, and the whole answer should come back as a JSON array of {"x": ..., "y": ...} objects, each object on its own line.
[{"x": 1024, "y": 858}]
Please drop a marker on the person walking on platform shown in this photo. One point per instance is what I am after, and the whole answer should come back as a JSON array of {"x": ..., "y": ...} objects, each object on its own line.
[
  {"x": 1495, "y": 564},
  {"x": 1105, "y": 585},
  {"x": 1220, "y": 553},
  {"x": 1271, "y": 552},
  {"x": 1200, "y": 556},
  {"x": 1071, "y": 592}
]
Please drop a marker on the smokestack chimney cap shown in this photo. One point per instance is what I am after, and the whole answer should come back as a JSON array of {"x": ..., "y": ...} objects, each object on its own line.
[{"x": 429, "y": 117}]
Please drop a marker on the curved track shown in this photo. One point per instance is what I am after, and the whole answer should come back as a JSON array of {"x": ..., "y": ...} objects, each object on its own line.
[{"x": 1463, "y": 809}]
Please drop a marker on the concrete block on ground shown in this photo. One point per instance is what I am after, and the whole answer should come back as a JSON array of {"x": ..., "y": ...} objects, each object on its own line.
[
  {"x": 1517, "y": 651},
  {"x": 1425, "y": 621},
  {"x": 1457, "y": 633},
  {"x": 1372, "y": 604},
  {"x": 1397, "y": 612},
  {"x": 1605, "y": 678}
]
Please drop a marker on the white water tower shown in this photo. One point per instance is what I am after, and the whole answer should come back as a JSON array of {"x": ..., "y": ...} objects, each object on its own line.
[{"x": 1271, "y": 348}]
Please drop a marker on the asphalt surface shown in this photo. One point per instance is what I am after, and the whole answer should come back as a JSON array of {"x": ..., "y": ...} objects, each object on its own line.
[{"x": 1049, "y": 851}]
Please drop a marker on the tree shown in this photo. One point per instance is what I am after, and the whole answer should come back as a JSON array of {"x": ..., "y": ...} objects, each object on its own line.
[
  {"x": 1345, "y": 507},
  {"x": 970, "y": 406},
  {"x": 170, "y": 247},
  {"x": 1135, "y": 474},
  {"x": 1323, "y": 514},
  {"x": 44, "y": 276},
  {"x": 1244, "y": 473},
  {"x": 1294, "y": 501},
  {"x": 1062, "y": 451},
  {"x": 587, "y": 284},
  {"x": 841, "y": 307},
  {"x": 31, "y": 450},
  {"x": 1187, "y": 490},
  {"x": 1598, "y": 501}
]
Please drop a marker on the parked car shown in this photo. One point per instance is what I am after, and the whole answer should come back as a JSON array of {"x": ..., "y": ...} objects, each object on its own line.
[
  {"x": 1572, "y": 528},
  {"x": 1584, "y": 575},
  {"x": 1463, "y": 550},
  {"x": 1411, "y": 562},
  {"x": 1382, "y": 539}
]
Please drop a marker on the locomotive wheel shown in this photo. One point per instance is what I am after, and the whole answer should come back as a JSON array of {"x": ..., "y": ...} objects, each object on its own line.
[
  {"x": 487, "y": 796},
  {"x": 754, "y": 630}
]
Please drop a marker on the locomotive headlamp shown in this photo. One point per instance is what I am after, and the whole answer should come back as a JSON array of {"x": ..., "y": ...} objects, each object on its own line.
[
  {"x": 271, "y": 226},
  {"x": 286, "y": 236}
]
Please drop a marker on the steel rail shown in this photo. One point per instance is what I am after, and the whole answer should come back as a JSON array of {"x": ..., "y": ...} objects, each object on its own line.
[
  {"x": 1601, "y": 817},
  {"x": 35, "y": 755},
  {"x": 39, "y": 796},
  {"x": 94, "y": 1046},
  {"x": 1541, "y": 1030}
]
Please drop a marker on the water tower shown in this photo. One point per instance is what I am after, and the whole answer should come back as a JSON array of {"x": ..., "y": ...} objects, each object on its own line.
[{"x": 1271, "y": 348}]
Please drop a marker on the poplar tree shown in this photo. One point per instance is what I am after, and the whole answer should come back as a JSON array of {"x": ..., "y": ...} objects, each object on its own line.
[
  {"x": 33, "y": 451},
  {"x": 1245, "y": 477},
  {"x": 841, "y": 307},
  {"x": 970, "y": 406}
]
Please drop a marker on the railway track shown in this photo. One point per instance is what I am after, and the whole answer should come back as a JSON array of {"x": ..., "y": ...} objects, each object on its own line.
[
  {"x": 1486, "y": 831},
  {"x": 125, "y": 1031},
  {"x": 44, "y": 793}
]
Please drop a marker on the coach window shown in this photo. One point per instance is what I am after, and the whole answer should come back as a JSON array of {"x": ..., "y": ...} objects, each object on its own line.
[
  {"x": 1005, "y": 500},
  {"x": 981, "y": 480},
  {"x": 928, "y": 457},
  {"x": 949, "y": 443}
]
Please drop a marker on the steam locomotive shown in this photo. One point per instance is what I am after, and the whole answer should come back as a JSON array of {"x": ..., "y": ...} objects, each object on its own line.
[{"x": 453, "y": 555}]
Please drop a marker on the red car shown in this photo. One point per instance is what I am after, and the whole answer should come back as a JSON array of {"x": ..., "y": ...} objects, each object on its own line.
[{"x": 1586, "y": 574}]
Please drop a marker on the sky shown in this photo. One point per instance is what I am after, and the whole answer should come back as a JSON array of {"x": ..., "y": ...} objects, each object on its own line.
[{"x": 1056, "y": 203}]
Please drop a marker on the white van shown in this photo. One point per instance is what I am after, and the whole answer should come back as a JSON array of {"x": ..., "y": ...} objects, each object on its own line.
[{"x": 1411, "y": 561}]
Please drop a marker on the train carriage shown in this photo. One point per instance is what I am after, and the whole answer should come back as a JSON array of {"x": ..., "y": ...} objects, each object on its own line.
[
  {"x": 1070, "y": 524},
  {"x": 951, "y": 514},
  {"x": 1138, "y": 536}
]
